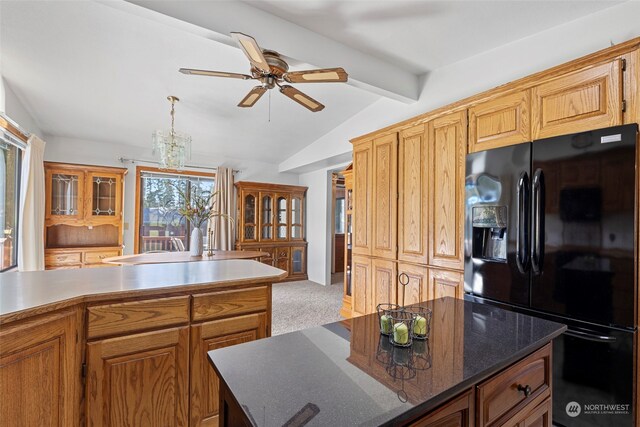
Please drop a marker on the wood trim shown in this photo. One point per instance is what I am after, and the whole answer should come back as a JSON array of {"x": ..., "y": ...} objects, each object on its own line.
[
  {"x": 13, "y": 130},
  {"x": 526, "y": 82},
  {"x": 139, "y": 170},
  {"x": 85, "y": 167},
  {"x": 266, "y": 186}
]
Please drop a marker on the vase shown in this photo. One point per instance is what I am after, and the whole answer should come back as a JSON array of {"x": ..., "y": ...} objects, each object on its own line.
[{"x": 195, "y": 245}]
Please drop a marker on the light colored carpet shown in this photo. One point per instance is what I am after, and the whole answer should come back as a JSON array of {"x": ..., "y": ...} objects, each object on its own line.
[{"x": 304, "y": 304}]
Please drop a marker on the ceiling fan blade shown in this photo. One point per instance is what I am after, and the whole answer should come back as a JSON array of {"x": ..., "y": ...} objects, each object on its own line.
[
  {"x": 253, "y": 52},
  {"x": 211, "y": 73},
  {"x": 325, "y": 75},
  {"x": 301, "y": 98},
  {"x": 252, "y": 97}
]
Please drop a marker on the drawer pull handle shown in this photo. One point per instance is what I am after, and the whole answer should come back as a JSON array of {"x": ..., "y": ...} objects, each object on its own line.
[{"x": 525, "y": 389}]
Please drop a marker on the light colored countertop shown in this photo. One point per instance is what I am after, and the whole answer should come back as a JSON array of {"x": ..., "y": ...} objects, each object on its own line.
[
  {"x": 29, "y": 293},
  {"x": 181, "y": 256}
]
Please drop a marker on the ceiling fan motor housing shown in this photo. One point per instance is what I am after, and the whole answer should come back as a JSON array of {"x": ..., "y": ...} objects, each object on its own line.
[{"x": 277, "y": 65}]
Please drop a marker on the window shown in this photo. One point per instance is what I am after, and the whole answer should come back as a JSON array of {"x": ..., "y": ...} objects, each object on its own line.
[
  {"x": 10, "y": 164},
  {"x": 339, "y": 215},
  {"x": 160, "y": 226}
]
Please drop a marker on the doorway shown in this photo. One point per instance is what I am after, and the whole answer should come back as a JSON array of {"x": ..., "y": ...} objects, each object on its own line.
[{"x": 338, "y": 223}]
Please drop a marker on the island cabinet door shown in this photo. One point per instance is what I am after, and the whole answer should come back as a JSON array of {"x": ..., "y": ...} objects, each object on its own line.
[
  {"x": 533, "y": 416},
  {"x": 204, "y": 381},
  {"x": 457, "y": 413},
  {"x": 139, "y": 380},
  {"x": 39, "y": 373}
]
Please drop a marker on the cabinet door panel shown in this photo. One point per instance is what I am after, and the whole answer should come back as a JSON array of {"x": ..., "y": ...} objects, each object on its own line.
[
  {"x": 385, "y": 199},
  {"x": 417, "y": 287},
  {"x": 64, "y": 196},
  {"x": 361, "y": 297},
  {"x": 457, "y": 413},
  {"x": 413, "y": 200},
  {"x": 210, "y": 336},
  {"x": 139, "y": 379},
  {"x": 500, "y": 122},
  {"x": 39, "y": 372},
  {"x": 577, "y": 102},
  {"x": 103, "y": 201},
  {"x": 444, "y": 283},
  {"x": 446, "y": 201},
  {"x": 362, "y": 197},
  {"x": 384, "y": 283}
]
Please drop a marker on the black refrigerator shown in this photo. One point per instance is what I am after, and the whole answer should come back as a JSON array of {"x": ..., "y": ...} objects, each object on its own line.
[{"x": 550, "y": 231}]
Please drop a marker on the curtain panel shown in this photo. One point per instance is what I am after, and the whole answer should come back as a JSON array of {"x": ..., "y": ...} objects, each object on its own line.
[{"x": 223, "y": 203}]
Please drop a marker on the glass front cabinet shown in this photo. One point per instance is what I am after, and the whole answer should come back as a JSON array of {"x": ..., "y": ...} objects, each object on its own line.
[{"x": 271, "y": 220}]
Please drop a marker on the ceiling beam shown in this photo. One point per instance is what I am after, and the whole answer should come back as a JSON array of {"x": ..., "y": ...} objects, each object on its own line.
[{"x": 215, "y": 20}]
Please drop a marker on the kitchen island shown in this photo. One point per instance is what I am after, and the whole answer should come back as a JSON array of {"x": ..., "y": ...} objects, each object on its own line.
[
  {"x": 125, "y": 345},
  {"x": 481, "y": 366}
]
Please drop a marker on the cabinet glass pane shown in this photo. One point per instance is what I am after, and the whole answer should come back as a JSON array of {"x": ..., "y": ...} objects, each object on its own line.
[
  {"x": 282, "y": 217},
  {"x": 296, "y": 261},
  {"x": 267, "y": 217},
  {"x": 64, "y": 194},
  {"x": 296, "y": 232},
  {"x": 250, "y": 232},
  {"x": 104, "y": 196},
  {"x": 250, "y": 209},
  {"x": 296, "y": 211}
]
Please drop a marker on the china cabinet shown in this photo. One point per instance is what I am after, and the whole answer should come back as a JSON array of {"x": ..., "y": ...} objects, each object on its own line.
[
  {"x": 271, "y": 219},
  {"x": 345, "y": 311},
  {"x": 83, "y": 214}
]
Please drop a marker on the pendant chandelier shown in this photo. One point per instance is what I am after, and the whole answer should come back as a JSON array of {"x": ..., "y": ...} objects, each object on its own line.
[{"x": 172, "y": 148}]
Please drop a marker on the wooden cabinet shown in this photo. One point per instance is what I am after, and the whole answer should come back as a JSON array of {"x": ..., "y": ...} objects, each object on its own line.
[
  {"x": 361, "y": 298},
  {"x": 39, "y": 372},
  {"x": 447, "y": 141},
  {"x": 457, "y": 413},
  {"x": 412, "y": 191},
  {"x": 533, "y": 416},
  {"x": 140, "y": 379},
  {"x": 445, "y": 283},
  {"x": 83, "y": 214},
  {"x": 362, "y": 197},
  {"x": 583, "y": 100},
  {"x": 417, "y": 289},
  {"x": 271, "y": 218},
  {"x": 204, "y": 381},
  {"x": 500, "y": 121},
  {"x": 346, "y": 311},
  {"x": 384, "y": 196},
  {"x": 383, "y": 282}
]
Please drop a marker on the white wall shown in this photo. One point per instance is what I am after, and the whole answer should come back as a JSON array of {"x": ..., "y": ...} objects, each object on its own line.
[
  {"x": 69, "y": 150},
  {"x": 16, "y": 111},
  {"x": 318, "y": 221},
  {"x": 479, "y": 73}
]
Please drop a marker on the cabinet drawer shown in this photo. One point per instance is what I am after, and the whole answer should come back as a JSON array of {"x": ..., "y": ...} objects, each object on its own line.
[
  {"x": 112, "y": 319},
  {"x": 62, "y": 258},
  {"x": 229, "y": 303},
  {"x": 500, "y": 396},
  {"x": 96, "y": 257}
]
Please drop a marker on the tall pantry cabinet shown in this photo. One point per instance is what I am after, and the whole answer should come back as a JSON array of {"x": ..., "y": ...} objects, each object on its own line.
[{"x": 408, "y": 214}]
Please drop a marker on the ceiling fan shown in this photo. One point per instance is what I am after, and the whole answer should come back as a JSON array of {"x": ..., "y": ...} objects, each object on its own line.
[{"x": 271, "y": 70}]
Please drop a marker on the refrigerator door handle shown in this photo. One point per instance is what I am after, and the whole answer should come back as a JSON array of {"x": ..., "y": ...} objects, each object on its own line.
[
  {"x": 537, "y": 256},
  {"x": 589, "y": 336},
  {"x": 523, "y": 224}
]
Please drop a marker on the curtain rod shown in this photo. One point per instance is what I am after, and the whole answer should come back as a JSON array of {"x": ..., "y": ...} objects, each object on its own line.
[{"x": 133, "y": 161}]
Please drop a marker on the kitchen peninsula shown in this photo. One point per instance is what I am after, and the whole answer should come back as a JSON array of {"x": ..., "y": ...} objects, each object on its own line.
[
  {"x": 481, "y": 366},
  {"x": 125, "y": 345}
]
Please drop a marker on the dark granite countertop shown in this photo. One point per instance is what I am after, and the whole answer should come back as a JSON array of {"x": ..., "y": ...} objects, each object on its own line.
[{"x": 351, "y": 376}]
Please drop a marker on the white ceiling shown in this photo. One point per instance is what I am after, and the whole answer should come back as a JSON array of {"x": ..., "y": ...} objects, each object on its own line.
[
  {"x": 422, "y": 35},
  {"x": 90, "y": 71}
]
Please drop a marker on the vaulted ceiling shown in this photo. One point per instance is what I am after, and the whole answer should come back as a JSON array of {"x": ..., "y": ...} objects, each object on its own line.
[{"x": 101, "y": 70}]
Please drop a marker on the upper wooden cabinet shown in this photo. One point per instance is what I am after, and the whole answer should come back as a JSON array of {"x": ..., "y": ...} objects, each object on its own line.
[
  {"x": 271, "y": 218},
  {"x": 362, "y": 197},
  {"x": 39, "y": 372},
  {"x": 412, "y": 191},
  {"x": 361, "y": 297},
  {"x": 385, "y": 199},
  {"x": 447, "y": 141},
  {"x": 587, "y": 99},
  {"x": 500, "y": 122},
  {"x": 384, "y": 279}
]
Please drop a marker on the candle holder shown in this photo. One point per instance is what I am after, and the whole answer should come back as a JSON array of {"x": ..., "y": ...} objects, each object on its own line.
[
  {"x": 401, "y": 335},
  {"x": 421, "y": 321},
  {"x": 385, "y": 317}
]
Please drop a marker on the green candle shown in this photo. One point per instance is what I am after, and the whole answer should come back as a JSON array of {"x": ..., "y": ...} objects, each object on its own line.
[
  {"x": 400, "y": 333},
  {"x": 386, "y": 324},
  {"x": 420, "y": 326}
]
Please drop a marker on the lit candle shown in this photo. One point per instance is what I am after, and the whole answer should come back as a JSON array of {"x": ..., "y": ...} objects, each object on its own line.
[
  {"x": 420, "y": 326},
  {"x": 386, "y": 324},
  {"x": 400, "y": 333}
]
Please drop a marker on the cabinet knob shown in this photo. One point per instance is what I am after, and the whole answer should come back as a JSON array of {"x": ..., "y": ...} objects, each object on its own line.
[{"x": 525, "y": 389}]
